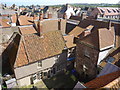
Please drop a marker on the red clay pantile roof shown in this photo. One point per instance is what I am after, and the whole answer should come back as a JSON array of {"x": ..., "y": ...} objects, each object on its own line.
[
  {"x": 27, "y": 30},
  {"x": 100, "y": 38},
  {"x": 69, "y": 41},
  {"x": 109, "y": 10},
  {"x": 21, "y": 57},
  {"x": 106, "y": 37},
  {"x": 39, "y": 47},
  {"x": 76, "y": 31},
  {"x": 114, "y": 84},
  {"x": 25, "y": 20},
  {"x": 3, "y": 23},
  {"x": 103, "y": 80},
  {"x": 14, "y": 18}
]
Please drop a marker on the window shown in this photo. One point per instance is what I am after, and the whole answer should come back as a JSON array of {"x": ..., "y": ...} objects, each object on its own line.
[
  {"x": 45, "y": 73},
  {"x": 87, "y": 53},
  {"x": 39, "y": 63},
  {"x": 84, "y": 68},
  {"x": 39, "y": 75},
  {"x": 34, "y": 77}
]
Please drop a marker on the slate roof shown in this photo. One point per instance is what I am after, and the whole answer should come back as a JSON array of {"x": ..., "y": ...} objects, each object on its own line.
[
  {"x": 64, "y": 8},
  {"x": 27, "y": 30},
  {"x": 109, "y": 68},
  {"x": 33, "y": 47},
  {"x": 79, "y": 86},
  {"x": 102, "y": 80}
]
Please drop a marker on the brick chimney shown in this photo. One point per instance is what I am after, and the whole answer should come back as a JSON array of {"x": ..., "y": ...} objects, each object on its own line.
[
  {"x": 109, "y": 25},
  {"x": 41, "y": 15},
  {"x": 39, "y": 27},
  {"x": 34, "y": 17},
  {"x": 64, "y": 16},
  {"x": 88, "y": 30},
  {"x": 40, "y": 22},
  {"x": 49, "y": 15},
  {"x": 17, "y": 16},
  {"x": 59, "y": 24},
  {"x": 83, "y": 15},
  {"x": 86, "y": 33}
]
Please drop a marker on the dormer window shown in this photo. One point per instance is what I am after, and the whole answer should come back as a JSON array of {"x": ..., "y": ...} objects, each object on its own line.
[
  {"x": 117, "y": 10},
  {"x": 114, "y": 11},
  {"x": 108, "y": 11},
  {"x": 102, "y": 11}
]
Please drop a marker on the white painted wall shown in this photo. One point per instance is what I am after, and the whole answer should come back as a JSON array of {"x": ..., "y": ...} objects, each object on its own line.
[
  {"x": 24, "y": 81},
  {"x": 69, "y": 11},
  {"x": 13, "y": 24},
  {"x": 102, "y": 55},
  {"x": 33, "y": 68}
]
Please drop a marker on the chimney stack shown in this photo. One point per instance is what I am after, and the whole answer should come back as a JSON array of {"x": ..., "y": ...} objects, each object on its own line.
[
  {"x": 41, "y": 15},
  {"x": 34, "y": 17},
  {"x": 17, "y": 16},
  {"x": 64, "y": 16},
  {"x": 83, "y": 15},
  {"x": 109, "y": 25},
  {"x": 59, "y": 24},
  {"x": 39, "y": 27},
  {"x": 49, "y": 15},
  {"x": 40, "y": 23}
]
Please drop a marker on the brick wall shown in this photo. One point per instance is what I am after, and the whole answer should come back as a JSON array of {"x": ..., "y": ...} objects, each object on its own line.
[{"x": 88, "y": 57}]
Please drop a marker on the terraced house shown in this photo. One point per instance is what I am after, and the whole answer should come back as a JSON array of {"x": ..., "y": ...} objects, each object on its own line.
[{"x": 35, "y": 57}]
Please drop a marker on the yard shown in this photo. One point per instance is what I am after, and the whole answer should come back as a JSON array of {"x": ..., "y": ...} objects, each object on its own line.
[{"x": 61, "y": 80}]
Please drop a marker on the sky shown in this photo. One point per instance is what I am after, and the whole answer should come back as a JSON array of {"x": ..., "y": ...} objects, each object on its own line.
[{"x": 54, "y": 2}]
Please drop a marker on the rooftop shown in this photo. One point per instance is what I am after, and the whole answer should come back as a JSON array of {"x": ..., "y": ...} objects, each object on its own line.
[
  {"x": 47, "y": 45},
  {"x": 27, "y": 30},
  {"x": 103, "y": 80}
]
